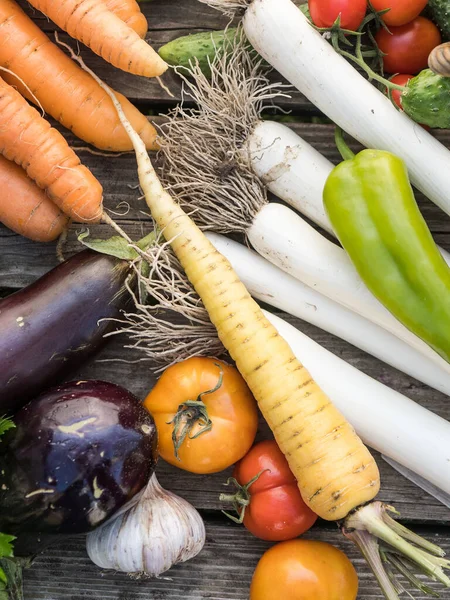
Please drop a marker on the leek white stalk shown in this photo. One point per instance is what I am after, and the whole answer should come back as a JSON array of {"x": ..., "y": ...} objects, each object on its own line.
[
  {"x": 159, "y": 531},
  {"x": 385, "y": 419},
  {"x": 271, "y": 285},
  {"x": 293, "y": 170},
  {"x": 281, "y": 34},
  {"x": 304, "y": 253}
]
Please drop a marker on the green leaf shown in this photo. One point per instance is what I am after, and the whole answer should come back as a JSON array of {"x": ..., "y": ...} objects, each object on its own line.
[
  {"x": 6, "y": 551},
  {"x": 5, "y": 425},
  {"x": 6, "y": 547},
  {"x": 147, "y": 241},
  {"x": 13, "y": 590},
  {"x": 116, "y": 246}
]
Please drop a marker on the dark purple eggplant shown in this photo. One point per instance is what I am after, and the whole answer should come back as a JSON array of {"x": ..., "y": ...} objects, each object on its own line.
[
  {"x": 55, "y": 324},
  {"x": 78, "y": 454}
]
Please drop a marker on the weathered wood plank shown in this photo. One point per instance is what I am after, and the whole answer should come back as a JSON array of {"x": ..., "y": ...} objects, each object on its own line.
[{"x": 222, "y": 571}]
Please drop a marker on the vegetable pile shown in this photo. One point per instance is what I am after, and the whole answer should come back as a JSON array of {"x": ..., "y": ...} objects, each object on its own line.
[{"x": 80, "y": 457}]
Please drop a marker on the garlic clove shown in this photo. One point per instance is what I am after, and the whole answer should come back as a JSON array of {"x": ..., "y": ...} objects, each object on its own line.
[{"x": 159, "y": 531}]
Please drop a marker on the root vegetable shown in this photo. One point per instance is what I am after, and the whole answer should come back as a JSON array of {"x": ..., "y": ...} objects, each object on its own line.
[
  {"x": 93, "y": 24},
  {"x": 29, "y": 140},
  {"x": 25, "y": 208}
]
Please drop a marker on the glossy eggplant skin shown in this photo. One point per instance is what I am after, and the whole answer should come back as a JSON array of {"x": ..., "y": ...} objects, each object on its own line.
[
  {"x": 79, "y": 453},
  {"x": 55, "y": 324}
]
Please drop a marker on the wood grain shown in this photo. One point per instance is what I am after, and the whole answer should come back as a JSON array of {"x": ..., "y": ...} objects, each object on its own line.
[{"x": 222, "y": 571}]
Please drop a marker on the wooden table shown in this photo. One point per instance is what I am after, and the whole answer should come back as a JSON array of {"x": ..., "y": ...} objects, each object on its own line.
[{"x": 224, "y": 569}]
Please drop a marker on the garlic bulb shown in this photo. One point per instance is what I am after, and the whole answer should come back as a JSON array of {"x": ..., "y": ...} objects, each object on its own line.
[{"x": 156, "y": 533}]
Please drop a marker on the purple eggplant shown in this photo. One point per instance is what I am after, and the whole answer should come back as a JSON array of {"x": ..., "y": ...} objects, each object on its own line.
[
  {"x": 56, "y": 323},
  {"x": 78, "y": 454}
]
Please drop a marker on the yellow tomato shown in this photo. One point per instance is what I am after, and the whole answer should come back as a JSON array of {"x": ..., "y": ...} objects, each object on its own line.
[
  {"x": 304, "y": 570},
  {"x": 212, "y": 429}
]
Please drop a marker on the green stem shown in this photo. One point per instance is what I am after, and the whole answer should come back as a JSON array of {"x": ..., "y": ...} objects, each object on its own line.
[
  {"x": 365, "y": 67},
  {"x": 241, "y": 498},
  {"x": 189, "y": 414},
  {"x": 369, "y": 548},
  {"x": 13, "y": 571},
  {"x": 147, "y": 241},
  {"x": 341, "y": 144},
  {"x": 374, "y": 520},
  {"x": 402, "y": 566}
]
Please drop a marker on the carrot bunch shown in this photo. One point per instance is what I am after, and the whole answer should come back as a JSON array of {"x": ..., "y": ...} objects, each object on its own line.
[
  {"x": 33, "y": 67},
  {"x": 93, "y": 23}
]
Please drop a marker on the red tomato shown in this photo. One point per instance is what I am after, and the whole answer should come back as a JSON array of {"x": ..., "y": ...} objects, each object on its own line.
[
  {"x": 396, "y": 95},
  {"x": 401, "y": 11},
  {"x": 407, "y": 47},
  {"x": 276, "y": 511},
  {"x": 325, "y": 12}
]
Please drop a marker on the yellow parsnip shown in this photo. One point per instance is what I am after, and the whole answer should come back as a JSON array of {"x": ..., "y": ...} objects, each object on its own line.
[{"x": 334, "y": 470}]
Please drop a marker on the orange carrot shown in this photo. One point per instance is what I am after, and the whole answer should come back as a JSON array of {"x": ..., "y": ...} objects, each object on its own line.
[
  {"x": 130, "y": 13},
  {"x": 93, "y": 24},
  {"x": 62, "y": 88},
  {"x": 27, "y": 139},
  {"x": 25, "y": 208}
]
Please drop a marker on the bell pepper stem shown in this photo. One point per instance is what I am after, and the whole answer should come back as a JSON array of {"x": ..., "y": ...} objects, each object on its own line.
[{"x": 342, "y": 145}]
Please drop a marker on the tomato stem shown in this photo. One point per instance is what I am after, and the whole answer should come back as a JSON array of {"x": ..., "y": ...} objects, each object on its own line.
[
  {"x": 359, "y": 60},
  {"x": 338, "y": 35},
  {"x": 241, "y": 498},
  {"x": 190, "y": 413}
]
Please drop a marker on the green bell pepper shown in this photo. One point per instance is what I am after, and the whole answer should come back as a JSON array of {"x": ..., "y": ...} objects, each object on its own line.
[{"x": 370, "y": 203}]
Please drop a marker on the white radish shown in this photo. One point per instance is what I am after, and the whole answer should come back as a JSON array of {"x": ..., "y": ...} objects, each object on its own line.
[
  {"x": 293, "y": 170},
  {"x": 385, "y": 419},
  {"x": 271, "y": 285},
  {"x": 282, "y": 35}
]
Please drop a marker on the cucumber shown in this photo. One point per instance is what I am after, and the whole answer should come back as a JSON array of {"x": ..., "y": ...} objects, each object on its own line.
[
  {"x": 201, "y": 46},
  {"x": 439, "y": 12},
  {"x": 426, "y": 99}
]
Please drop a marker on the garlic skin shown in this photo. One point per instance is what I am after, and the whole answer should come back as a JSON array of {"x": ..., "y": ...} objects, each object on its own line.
[{"x": 158, "y": 532}]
